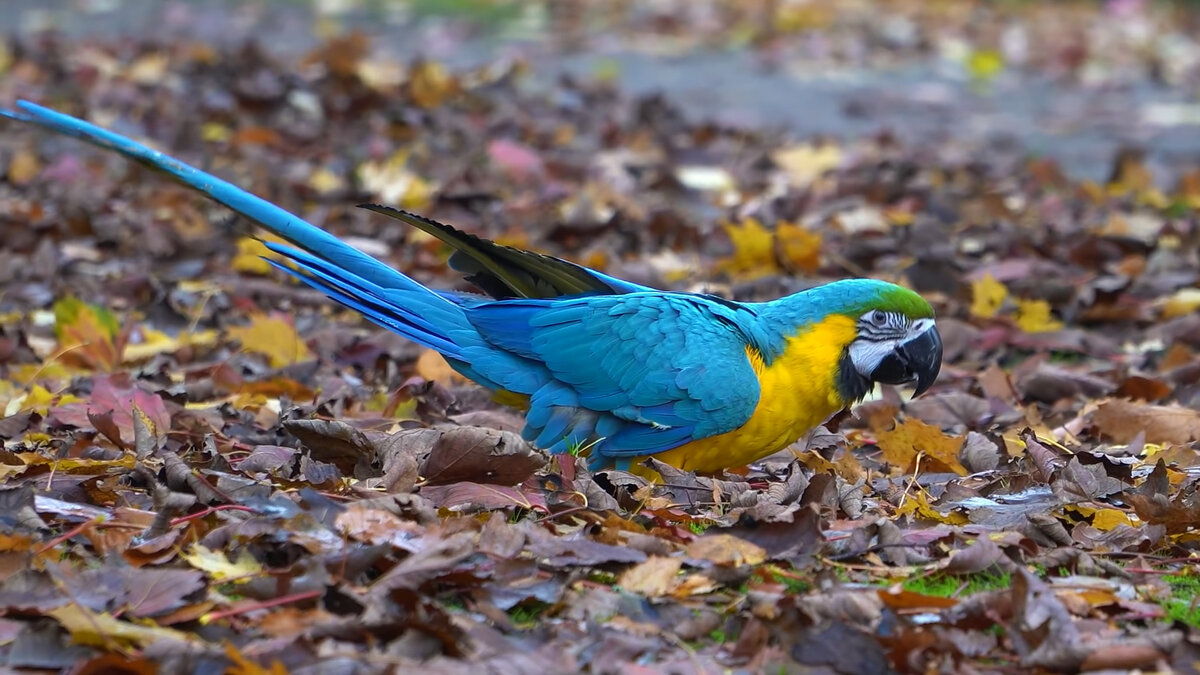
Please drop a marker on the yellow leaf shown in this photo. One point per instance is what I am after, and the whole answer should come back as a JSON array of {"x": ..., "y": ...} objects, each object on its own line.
[
  {"x": 101, "y": 630},
  {"x": 391, "y": 181},
  {"x": 39, "y": 399},
  {"x": 245, "y": 666},
  {"x": 1107, "y": 519},
  {"x": 215, "y": 132},
  {"x": 272, "y": 337},
  {"x": 325, "y": 182},
  {"x": 1181, "y": 302},
  {"x": 430, "y": 84},
  {"x": 939, "y": 452},
  {"x": 27, "y": 373},
  {"x": 23, "y": 167},
  {"x": 804, "y": 163},
  {"x": 218, "y": 566},
  {"x": 753, "y": 250},
  {"x": 1033, "y": 316},
  {"x": 149, "y": 68},
  {"x": 987, "y": 297},
  {"x": 250, "y": 254},
  {"x": 799, "y": 247},
  {"x": 433, "y": 367},
  {"x": 917, "y": 504},
  {"x": 154, "y": 342},
  {"x": 985, "y": 64}
]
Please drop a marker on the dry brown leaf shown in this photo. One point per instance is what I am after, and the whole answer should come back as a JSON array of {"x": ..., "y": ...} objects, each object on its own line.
[
  {"x": 654, "y": 577},
  {"x": 726, "y": 550},
  {"x": 1122, "y": 420}
]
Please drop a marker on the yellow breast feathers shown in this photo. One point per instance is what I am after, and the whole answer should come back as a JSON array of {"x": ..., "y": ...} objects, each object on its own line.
[{"x": 798, "y": 391}]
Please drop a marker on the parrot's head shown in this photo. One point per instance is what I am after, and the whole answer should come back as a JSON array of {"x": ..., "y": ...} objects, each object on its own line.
[
  {"x": 864, "y": 330},
  {"x": 895, "y": 340}
]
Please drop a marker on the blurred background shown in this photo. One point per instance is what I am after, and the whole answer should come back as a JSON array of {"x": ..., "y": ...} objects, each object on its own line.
[{"x": 1075, "y": 81}]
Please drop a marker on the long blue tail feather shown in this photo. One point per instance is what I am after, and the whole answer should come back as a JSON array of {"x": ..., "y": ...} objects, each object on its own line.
[
  {"x": 272, "y": 218},
  {"x": 325, "y": 262}
]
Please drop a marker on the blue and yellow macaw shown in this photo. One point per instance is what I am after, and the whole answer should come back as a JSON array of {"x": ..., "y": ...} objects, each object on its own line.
[{"x": 623, "y": 370}]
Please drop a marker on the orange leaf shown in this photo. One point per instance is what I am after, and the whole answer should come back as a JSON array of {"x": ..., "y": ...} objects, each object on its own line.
[
  {"x": 799, "y": 248},
  {"x": 90, "y": 335},
  {"x": 902, "y": 444},
  {"x": 433, "y": 367}
]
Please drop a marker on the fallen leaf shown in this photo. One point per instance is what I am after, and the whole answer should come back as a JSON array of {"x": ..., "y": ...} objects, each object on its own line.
[
  {"x": 1033, "y": 316},
  {"x": 1123, "y": 420},
  {"x": 987, "y": 297},
  {"x": 799, "y": 248},
  {"x": 481, "y": 455},
  {"x": 654, "y": 577},
  {"x": 100, "y": 629},
  {"x": 433, "y": 367},
  {"x": 272, "y": 337},
  {"x": 804, "y": 163},
  {"x": 23, "y": 167},
  {"x": 904, "y": 443},
  {"x": 1181, "y": 303},
  {"x": 726, "y": 550},
  {"x": 753, "y": 250},
  {"x": 218, "y": 565},
  {"x": 430, "y": 84},
  {"x": 88, "y": 335}
]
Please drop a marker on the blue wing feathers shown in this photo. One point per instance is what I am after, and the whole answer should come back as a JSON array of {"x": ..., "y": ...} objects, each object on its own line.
[{"x": 633, "y": 374}]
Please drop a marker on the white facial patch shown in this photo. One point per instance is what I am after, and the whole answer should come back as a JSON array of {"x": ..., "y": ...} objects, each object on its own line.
[
  {"x": 866, "y": 355},
  {"x": 872, "y": 347}
]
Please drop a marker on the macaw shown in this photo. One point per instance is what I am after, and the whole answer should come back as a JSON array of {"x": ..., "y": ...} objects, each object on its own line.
[{"x": 615, "y": 369}]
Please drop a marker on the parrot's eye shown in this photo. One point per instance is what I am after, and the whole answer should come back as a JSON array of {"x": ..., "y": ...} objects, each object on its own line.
[{"x": 879, "y": 317}]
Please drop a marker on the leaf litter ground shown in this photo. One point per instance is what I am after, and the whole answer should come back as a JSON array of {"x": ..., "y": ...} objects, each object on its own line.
[{"x": 208, "y": 469}]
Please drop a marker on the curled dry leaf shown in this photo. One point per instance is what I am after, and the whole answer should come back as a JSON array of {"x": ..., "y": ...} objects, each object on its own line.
[{"x": 482, "y": 455}]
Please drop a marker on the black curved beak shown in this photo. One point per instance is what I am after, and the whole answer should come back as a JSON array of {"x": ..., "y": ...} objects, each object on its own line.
[{"x": 917, "y": 360}]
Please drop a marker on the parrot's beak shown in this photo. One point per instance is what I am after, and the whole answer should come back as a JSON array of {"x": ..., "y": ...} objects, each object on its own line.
[{"x": 917, "y": 359}]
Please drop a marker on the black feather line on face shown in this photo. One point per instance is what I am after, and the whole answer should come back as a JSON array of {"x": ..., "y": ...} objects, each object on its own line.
[{"x": 851, "y": 384}]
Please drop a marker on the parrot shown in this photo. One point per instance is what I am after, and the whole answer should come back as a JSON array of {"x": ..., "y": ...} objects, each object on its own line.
[{"x": 613, "y": 370}]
